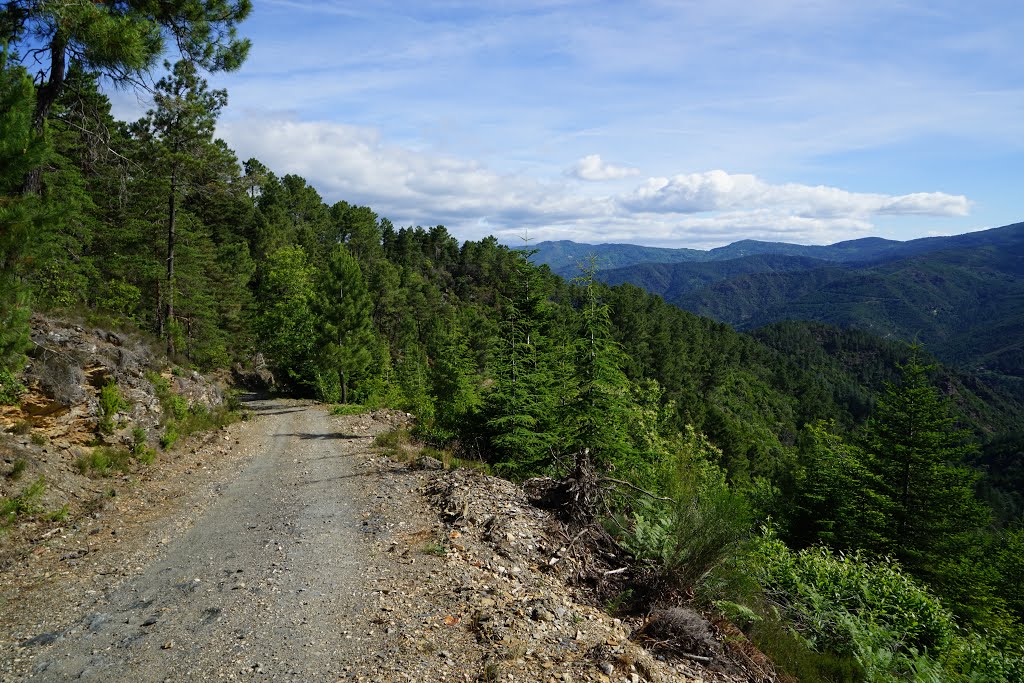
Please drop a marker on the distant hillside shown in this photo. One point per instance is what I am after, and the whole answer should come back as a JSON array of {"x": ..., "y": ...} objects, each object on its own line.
[
  {"x": 564, "y": 257},
  {"x": 672, "y": 280},
  {"x": 966, "y": 306}
]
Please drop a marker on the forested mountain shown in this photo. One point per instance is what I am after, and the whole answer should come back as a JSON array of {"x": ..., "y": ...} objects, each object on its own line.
[
  {"x": 679, "y": 437},
  {"x": 674, "y": 280},
  {"x": 564, "y": 257},
  {"x": 966, "y": 306}
]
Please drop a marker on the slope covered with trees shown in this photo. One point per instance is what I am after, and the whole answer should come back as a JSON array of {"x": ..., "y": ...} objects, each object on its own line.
[{"x": 675, "y": 433}]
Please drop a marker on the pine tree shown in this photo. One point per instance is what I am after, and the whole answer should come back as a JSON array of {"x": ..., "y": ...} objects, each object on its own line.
[
  {"x": 122, "y": 39},
  {"x": 180, "y": 128},
  {"x": 345, "y": 310},
  {"x": 21, "y": 150}
]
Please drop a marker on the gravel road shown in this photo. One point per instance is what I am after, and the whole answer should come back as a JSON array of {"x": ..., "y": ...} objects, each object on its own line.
[{"x": 268, "y": 582}]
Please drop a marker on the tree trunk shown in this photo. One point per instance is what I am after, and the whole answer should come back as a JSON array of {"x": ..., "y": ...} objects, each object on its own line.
[
  {"x": 169, "y": 314},
  {"x": 46, "y": 95}
]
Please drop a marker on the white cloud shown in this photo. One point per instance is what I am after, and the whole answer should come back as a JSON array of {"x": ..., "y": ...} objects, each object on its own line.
[
  {"x": 721, "y": 191},
  {"x": 593, "y": 168},
  {"x": 412, "y": 186}
]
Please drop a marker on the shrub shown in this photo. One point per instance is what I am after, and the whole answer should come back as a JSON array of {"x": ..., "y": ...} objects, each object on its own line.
[
  {"x": 177, "y": 406},
  {"x": 24, "y": 504},
  {"x": 140, "y": 450},
  {"x": 10, "y": 388},
  {"x": 869, "y": 610},
  {"x": 169, "y": 437},
  {"x": 111, "y": 403},
  {"x": 103, "y": 461},
  {"x": 683, "y": 539}
]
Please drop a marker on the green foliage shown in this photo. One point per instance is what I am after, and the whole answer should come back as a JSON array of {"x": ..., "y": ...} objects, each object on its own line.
[
  {"x": 140, "y": 449},
  {"x": 349, "y": 409},
  {"x": 344, "y": 310},
  {"x": 394, "y": 444},
  {"x": 104, "y": 461},
  {"x": 932, "y": 516},
  {"x": 22, "y": 149},
  {"x": 169, "y": 437},
  {"x": 684, "y": 539},
  {"x": 286, "y": 325},
  {"x": 10, "y": 388},
  {"x": 895, "y": 628},
  {"x": 25, "y": 504},
  {"x": 520, "y": 408},
  {"x": 111, "y": 402}
]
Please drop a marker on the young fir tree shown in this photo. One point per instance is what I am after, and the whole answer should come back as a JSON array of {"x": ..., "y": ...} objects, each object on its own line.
[
  {"x": 520, "y": 408},
  {"x": 348, "y": 338},
  {"x": 918, "y": 457},
  {"x": 595, "y": 419},
  {"x": 21, "y": 150},
  {"x": 454, "y": 380}
]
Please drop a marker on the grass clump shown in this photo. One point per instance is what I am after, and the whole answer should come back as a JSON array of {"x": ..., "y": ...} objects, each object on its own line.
[
  {"x": 24, "y": 504},
  {"x": 17, "y": 469},
  {"x": 104, "y": 461},
  {"x": 396, "y": 444},
  {"x": 21, "y": 427},
  {"x": 349, "y": 409},
  {"x": 434, "y": 548}
]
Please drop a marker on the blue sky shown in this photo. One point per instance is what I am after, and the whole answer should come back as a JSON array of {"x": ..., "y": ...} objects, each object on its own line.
[{"x": 664, "y": 123}]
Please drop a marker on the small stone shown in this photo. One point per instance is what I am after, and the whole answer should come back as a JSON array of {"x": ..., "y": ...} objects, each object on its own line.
[{"x": 168, "y": 645}]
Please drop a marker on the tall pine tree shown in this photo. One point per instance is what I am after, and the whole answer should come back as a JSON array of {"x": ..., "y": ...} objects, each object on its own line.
[{"x": 21, "y": 150}]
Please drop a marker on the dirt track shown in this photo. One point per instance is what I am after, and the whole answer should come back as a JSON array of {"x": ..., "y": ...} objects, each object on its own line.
[{"x": 269, "y": 580}]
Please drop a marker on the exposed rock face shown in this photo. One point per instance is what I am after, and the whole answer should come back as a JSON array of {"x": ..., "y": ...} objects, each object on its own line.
[
  {"x": 69, "y": 364},
  {"x": 58, "y": 420}
]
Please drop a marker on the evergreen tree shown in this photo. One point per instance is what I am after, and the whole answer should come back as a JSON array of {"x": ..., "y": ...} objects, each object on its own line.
[
  {"x": 21, "y": 149},
  {"x": 520, "y": 408},
  {"x": 918, "y": 457},
  {"x": 285, "y": 323},
  {"x": 122, "y": 39},
  {"x": 454, "y": 379},
  {"x": 180, "y": 128},
  {"x": 596, "y": 417},
  {"x": 345, "y": 311}
]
